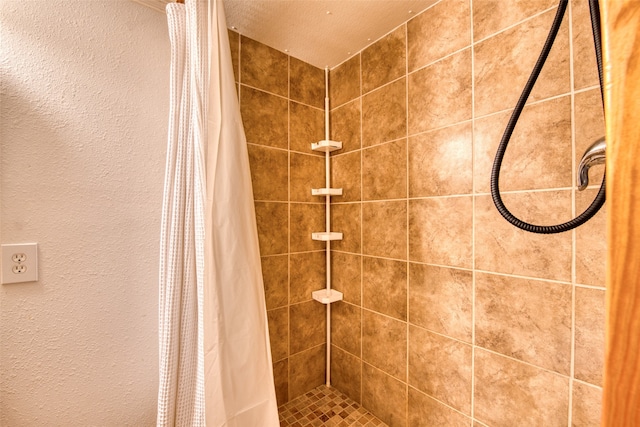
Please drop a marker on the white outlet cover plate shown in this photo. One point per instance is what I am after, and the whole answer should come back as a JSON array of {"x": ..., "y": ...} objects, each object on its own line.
[{"x": 31, "y": 262}]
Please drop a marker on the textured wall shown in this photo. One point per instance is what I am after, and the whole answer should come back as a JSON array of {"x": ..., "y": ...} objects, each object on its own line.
[
  {"x": 281, "y": 99},
  {"x": 450, "y": 313},
  {"x": 83, "y": 112}
]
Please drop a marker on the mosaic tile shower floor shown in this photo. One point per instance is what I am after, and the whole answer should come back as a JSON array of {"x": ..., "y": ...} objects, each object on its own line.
[{"x": 324, "y": 406}]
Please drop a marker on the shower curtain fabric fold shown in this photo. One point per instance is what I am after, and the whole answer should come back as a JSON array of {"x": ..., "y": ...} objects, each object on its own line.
[{"x": 215, "y": 359}]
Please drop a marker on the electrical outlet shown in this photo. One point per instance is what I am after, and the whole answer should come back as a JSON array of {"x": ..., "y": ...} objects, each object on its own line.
[{"x": 20, "y": 263}]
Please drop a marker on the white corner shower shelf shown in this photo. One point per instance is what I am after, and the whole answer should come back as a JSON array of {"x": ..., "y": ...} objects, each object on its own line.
[
  {"x": 327, "y": 296},
  {"x": 326, "y": 236},
  {"x": 326, "y": 146},
  {"x": 326, "y": 191}
]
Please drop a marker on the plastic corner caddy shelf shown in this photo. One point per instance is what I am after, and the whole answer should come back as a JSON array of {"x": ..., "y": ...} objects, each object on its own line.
[
  {"x": 324, "y": 236},
  {"x": 326, "y": 146},
  {"x": 327, "y": 296}
]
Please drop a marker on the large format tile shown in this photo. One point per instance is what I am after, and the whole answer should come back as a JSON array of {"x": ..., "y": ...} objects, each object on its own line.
[
  {"x": 306, "y": 172},
  {"x": 528, "y": 320},
  {"x": 539, "y": 151},
  {"x": 346, "y": 373},
  {"x": 440, "y": 231},
  {"x": 306, "y": 83},
  {"x": 586, "y": 405},
  {"x": 438, "y": 31},
  {"x": 503, "y": 248},
  {"x": 384, "y": 114},
  {"x": 346, "y": 275},
  {"x": 273, "y": 227},
  {"x": 346, "y": 174},
  {"x": 269, "y": 173},
  {"x": 307, "y": 326},
  {"x": 306, "y": 126},
  {"x": 345, "y": 219},
  {"x": 510, "y": 393},
  {"x": 279, "y": 332},
  {"x": 590, "y": 335},
  {"x": 440, "y": 162},
  {"x": 345, "y": 126},
  {"x": 440, "y": 299},
  {"x": 346, "y": 325},
  {"x": 591, "y": 242},
  {"x": 305, "y": 220},
  {"x": 384, "y": 343},
  {"x": 491, "y": 16},
  {"x": 275, "y": 273},
  {"x": 306, "y": 370},
  {"x": 504, "y": 62},
  {"x": 265, "y": 118},
  {"x": 585, "y": 70},
  {"x": 440, "y": 94},
  {"x": 308, "y": 274},
  {"x": 344, "y": 82},
  {"x": 384, "y": 286},
  {"x": 385, "y": 395},
  {"x": 384, "y": 171},
  {"x": 263, "y": 67},
  {"x": 384, "y": 61},
  {"x": 440, "y": 367},
  {"x": 384, "y": 229},
  {"x": 426, "y": 411}
]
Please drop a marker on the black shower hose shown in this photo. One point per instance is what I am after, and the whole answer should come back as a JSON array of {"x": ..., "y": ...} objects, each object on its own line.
[{"x": 497, "y": 163}]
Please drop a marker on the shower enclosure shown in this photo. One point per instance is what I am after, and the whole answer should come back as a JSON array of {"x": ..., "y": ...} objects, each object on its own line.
[{"x": 477, "y": 319}]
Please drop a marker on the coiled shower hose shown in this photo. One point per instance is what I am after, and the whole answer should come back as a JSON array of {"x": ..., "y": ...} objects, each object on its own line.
[{"x": 497, "y": 163}]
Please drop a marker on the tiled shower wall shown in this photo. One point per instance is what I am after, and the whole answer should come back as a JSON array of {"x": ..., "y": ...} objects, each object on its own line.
[
  {"x": 450, "y": 313},
  {"x": 282, "y": 105}
]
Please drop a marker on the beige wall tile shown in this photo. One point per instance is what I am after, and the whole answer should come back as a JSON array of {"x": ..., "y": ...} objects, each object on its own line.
[
  {"x": 504, "y": 62},
  {"x": 591, "y": 242},
  {"x": 384, "y": 171},
  {"x": 306, "y": 83},
  {"x": 425, "y": 411},
  {"x": 306, "y": 219},
  {"x": 346, "y": 373},
  {"x": 385, "y": 396},
  {"x": 306, "y": 127},
  {"x": 590, "y": 335},
  {"x": 501, "y": 247},
  {"x": 281, "y": 380},
  {"x": 510, "y": 393},
  {"x": 440, "y": 367},
  {"x": 307, "y": 172},
  {"x": 346, "y": 272},
  {"x": 273, "y": 227},
  {"x": 275, "y": 273},
  {"x": 384, "y": 286},
  {"x": 440, "y": 94},
  {"x": 346, "y": 321},
  {"x": 234, "y": 45},
  {"x": 528, "y": 320},
  {"x": 346, "y": 174},
  {"x": 269, "y": 173},
  {"x": 308, "y": 274},
  {"x": 384, "y": 343},
  {"x": 264, "y": 117},
  {"x": 491, "y": 16},
  {"x": 384, "y": 114},
  {"x": 345, "y": 126},
  {"x": 385, "y": 60},
  {"x": 264, "y": 67},
  {"x": 589, "y": 128},
  {"x": 345, "y": 219},
  {"x": 306, "y": 371},
  {"x": 440, "y": 231},
  {"x": 440, "y": 162},
  {"x": 344, "y": 82},
  {"x": 384, "y": 231},
  {"x": 279, "y": 332},
  {"x": 307, "y": 326},
  {"x": 440, "y": 300},
  {"x": 584, "y": 55},
  {"x": 439, "y": 31},
  {"x": 586, "y": 405},
  {"x": 539, "y": 151}
]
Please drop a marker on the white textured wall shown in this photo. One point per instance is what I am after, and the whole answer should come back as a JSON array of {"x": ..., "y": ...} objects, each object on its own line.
[{"x": 84, "y": 106}]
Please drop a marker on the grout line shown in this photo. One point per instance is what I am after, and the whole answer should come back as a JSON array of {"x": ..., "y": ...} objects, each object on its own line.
[
  {"x": 407, "y": 183},
  {"x": 289, "y": 382},
  {"x": 439, "y": 401},
  {"x": 473, "y": 217},
  {"x": 278, "y": 95},
  {"x": 573, "y": 215},
  {"x": 361, "y": 229}
]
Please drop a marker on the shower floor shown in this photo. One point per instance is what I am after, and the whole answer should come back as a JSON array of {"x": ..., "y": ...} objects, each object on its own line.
[{"x": 324, "y": 406}]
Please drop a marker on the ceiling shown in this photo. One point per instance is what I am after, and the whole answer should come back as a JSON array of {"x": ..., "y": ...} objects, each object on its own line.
[{"x": 323, "y": 33}]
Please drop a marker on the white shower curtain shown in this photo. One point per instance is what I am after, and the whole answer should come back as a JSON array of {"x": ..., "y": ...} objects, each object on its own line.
[{"x": 215, "y": 360}]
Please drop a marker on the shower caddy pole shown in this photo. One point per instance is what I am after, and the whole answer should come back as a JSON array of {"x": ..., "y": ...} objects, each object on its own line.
[{"x": 327, "y": 295}]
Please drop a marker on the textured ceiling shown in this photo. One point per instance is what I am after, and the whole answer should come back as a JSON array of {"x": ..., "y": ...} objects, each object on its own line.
[{"x": 321, "y": 32}]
